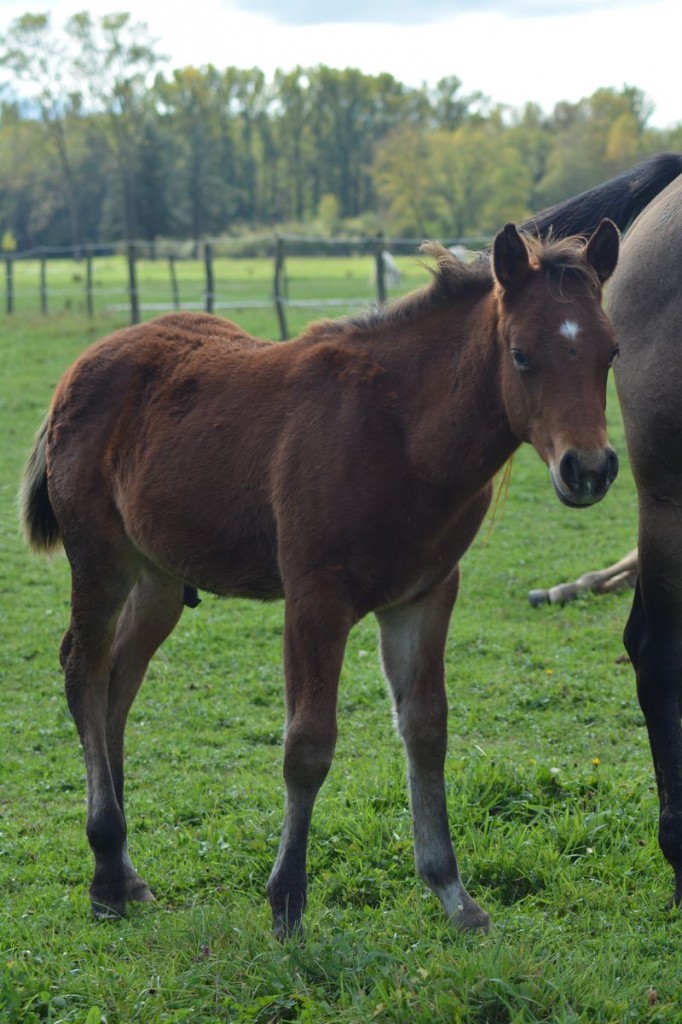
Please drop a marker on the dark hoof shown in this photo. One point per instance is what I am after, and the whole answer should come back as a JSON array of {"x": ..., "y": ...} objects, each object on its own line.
[
  {"x": 287, "y": 903},
  {"x": 469, "y": 917},
  {"x": 675, "y": 902},
  {"x": 109, "y": 911},
  {"x": 106, "y": 909},
  {"x": 138, "y": 890},
  {"x": 141, "y": 894},
  {"x": 284, "y": 931}
]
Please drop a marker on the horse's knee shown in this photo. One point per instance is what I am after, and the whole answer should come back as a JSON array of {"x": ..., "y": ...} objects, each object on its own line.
[{"x": 308, "y": 754}]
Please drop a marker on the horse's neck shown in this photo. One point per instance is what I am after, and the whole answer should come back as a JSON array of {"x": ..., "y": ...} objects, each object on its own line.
[{"x": 455, "y": 421}]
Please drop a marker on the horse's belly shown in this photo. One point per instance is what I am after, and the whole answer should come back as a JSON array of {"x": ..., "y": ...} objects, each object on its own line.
[
  {"x": 250, "y": 571},
  {"x": 213, "y": 549}
]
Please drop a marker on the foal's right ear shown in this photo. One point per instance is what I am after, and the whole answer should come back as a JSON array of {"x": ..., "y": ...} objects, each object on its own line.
[
  {"x": 601, "y": 252},
  {"x": 511, "y": 264}
]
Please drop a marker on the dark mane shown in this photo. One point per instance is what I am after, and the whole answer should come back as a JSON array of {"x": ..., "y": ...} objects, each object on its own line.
[
  {"x": 621, "y": 199},
  {"x": 561, "y": 259},
  {"x": 452, "y": 279}
]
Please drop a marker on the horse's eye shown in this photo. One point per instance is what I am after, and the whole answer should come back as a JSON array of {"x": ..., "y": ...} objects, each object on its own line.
[
  {"x": 521, "y": 360},
  {"x": 614, "y": 355}
]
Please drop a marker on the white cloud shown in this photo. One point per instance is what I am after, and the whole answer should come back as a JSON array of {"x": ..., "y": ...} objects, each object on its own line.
[{"x": 312, "y": 12}]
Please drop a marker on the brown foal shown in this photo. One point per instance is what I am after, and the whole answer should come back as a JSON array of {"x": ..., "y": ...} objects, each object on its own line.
[{"x": 346, "y": 471}]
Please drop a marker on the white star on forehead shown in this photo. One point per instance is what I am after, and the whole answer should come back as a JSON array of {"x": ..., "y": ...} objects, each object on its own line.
[{"x": 569, "y": 329}]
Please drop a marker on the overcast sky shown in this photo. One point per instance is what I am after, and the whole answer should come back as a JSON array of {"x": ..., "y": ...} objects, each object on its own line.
[{"x": 513, "y": 52}]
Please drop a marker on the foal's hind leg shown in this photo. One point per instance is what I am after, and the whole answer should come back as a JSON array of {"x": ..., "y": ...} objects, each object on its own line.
[
  {"x": 99, "y": 592},
  {"x": 412, "y": 646},
  {"x": 117, "y": 621},
  {"x": 151, "y": 611}
]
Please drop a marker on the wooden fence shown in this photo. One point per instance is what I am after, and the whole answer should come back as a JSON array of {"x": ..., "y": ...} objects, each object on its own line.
[{"x": 279, "y": 247}]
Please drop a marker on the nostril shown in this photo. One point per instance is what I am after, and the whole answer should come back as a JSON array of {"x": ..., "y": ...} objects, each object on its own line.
[
  {"x": 570, "y": 471},
  {"x": 612, "y": 471}
]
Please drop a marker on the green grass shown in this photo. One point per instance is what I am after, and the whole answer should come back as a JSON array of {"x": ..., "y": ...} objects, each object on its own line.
[{"x": 559, "y": 849}]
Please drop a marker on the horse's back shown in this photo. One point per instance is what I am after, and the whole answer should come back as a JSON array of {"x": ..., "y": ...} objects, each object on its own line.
[
  {"x": 646, "y": 282},
  {"x": 145, "y": 356},
  {"x": 151, "y": 353},
  {"x": 193, "y": 327}
]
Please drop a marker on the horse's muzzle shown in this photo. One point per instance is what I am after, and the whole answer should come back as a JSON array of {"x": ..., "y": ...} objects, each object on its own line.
[{"x": 583, "y": 478}]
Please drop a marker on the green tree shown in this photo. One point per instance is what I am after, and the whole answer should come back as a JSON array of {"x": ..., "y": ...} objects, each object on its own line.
[
  {"x": 295, "y": 146},
  {"x": 114, "y": 61},
  {"x": 30, "y": 197},
  {"x": 40, "y": 60},
  {"x": 480, "y": 177},
  {"x": 91, "y": 142},
  {"x": 403, "y": 178},
  {"x": 199, "y": 127},
  {"x": 250, "y": 95},
  {"x": 328, "y": 213},
  {"x": 594, "y": 139},
  {"x": 350, "y": 116},
  {"x": 152, "y": 172},
  {"x": 530, "y": 134},
  {"x": 450, "y": 109}
]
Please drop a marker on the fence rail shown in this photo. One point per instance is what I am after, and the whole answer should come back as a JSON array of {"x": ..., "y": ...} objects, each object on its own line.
[{"x": 142, "y": 291}]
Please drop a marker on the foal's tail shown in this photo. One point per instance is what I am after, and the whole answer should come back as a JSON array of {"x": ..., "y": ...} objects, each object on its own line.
[
  {"x": 35, "y": 510},
  {"x": 621, "y": 199}
]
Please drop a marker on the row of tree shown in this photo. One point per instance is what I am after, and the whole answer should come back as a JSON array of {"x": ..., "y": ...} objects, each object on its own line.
[{"x": 96, "y": 143}]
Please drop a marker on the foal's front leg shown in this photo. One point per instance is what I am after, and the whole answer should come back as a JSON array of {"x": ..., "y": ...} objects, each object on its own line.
[
  {"x": 412, "y": 646},
  {"x": 315, "y": 631}
]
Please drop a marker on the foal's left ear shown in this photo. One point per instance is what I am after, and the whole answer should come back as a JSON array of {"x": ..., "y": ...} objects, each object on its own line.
[
  {"x": 511, "y": 264},
  {"x": 601, "y": 252}
]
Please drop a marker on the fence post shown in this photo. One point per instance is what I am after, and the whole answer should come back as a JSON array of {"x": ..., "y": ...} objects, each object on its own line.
[
  {"x": 174, "y": 282},
  {"x": 132, "y": 285},
  {"x": 208, "y": 263},
  {"x": 43, "y": 284},
  {"x": 88, "y": 284},
  {"x": 279, "y": 288},
  {"x": 9, "y": 285},
  {"x": 380, "y": 275}
]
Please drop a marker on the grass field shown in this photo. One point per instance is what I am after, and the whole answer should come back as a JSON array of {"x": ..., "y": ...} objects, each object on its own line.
[{"x": 551, "y": 795}]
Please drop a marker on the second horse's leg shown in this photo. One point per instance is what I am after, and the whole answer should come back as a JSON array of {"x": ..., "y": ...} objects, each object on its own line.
[{"x": 653, "y": 638}]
